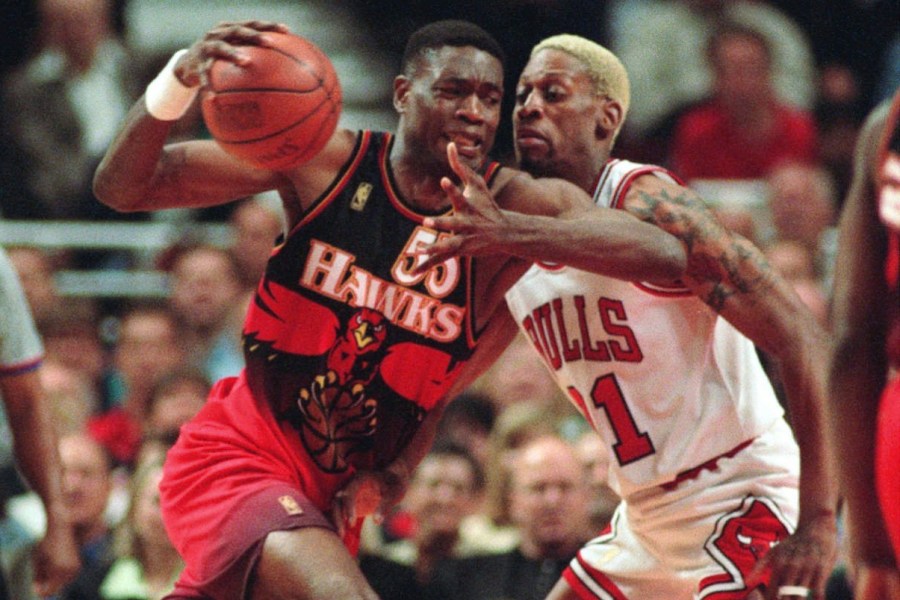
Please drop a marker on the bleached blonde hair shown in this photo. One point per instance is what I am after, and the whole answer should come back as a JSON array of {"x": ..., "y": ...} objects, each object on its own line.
[{"x": 604, "y": 68}]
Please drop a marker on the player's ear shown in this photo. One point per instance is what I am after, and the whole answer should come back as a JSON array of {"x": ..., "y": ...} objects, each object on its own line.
[
  {"x": 609, "y": 117},
  {"x": 402, "y": 85}
]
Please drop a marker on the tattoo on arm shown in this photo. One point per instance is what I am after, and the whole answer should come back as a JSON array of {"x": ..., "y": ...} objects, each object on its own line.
[{"x": 724, "y": 263}]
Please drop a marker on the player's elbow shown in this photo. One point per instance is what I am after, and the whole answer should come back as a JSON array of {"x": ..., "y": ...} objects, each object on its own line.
[{"x": 109, "y": 190}]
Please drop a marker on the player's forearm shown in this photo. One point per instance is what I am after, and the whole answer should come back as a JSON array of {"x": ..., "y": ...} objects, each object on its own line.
[
  {"x": 34, "y": 440},
  {"x": 605, "y": 241},
  {"x": 804, "y": 374},
  {"x": 855, "y": 385},
  {"x": 124, "y": 177}
]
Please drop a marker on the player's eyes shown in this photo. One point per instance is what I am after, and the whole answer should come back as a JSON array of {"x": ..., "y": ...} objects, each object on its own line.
[{"x": 554, "y": 94}]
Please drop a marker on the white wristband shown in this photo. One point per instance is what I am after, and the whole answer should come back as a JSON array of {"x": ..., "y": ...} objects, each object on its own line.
[{"x": 166, "y": 98}]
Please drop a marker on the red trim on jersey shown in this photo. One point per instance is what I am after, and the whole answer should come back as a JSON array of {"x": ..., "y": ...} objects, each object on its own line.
[
  {"x": 548, "y": 266},
  {"x": 663, "y": 291},
  {"x": 393, "y": 195},
  {"x": 601, "y": 580},
  {"x": 618, "y": 200},
  {"x": 710, "y": 465},
  {"x": 22, "y": 367},
  {"x": 603, "y": 175},
  {"x": 490, "y": 171}
]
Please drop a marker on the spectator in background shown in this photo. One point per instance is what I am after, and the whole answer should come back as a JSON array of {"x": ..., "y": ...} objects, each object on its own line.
[
  {"x": 662, "y": 44},
  {"x": 839, "y": 113},
  {"x": 72, "y": 338},
  {"x": 468, "y": 421},
  {"x": 519, "y": 375},
  {"x": 146, "y": 564},
  {"x": 595, "y": 456},
  {"x": 87, "y": 485},
  {"x": 177, "y": 397},
  {"x": 148, "y": 346},
  {"x": 209, "y": 302},
  {"x": 550, "y": 507},
  {"x": 71, "y": 395},
  {"x": 515, "y": 426},
  {"x": 802, "y": 204},
  {"x": 744, "y": 130},
  {"x": 174, "y": 400},
  {"x": 256, "y": 222},
  {"x": 36, "y": 269},
  {"x": 62, "y": 108},
  {"x": 445, "y": 488}
]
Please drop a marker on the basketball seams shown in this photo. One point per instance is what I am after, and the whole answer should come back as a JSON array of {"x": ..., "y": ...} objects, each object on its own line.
[{"x": 285, "y": 129}]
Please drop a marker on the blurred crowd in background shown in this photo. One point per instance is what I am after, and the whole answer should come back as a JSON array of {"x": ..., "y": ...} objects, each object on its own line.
[{"x": 512, "y": 488}]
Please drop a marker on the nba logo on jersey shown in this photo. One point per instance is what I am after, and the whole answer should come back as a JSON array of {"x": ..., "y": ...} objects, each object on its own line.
[{"x": 358, "y": 202}]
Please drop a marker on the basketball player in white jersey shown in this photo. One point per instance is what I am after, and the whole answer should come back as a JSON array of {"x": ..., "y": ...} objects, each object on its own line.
[{"x": 718, "y": 500}]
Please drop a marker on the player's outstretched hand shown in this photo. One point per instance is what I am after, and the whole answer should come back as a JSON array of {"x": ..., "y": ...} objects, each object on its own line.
[
  {"x": 477, "y": 223},
  {"x": 222, "y": 42},
  {"x": 801, "y": 563}
]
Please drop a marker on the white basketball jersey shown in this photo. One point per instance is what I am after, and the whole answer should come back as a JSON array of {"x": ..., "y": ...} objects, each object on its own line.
[{"x": 665, "y": 381}]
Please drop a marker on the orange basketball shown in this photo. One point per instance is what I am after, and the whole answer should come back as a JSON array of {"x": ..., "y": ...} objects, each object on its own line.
[{"x": 278, "y": 110}]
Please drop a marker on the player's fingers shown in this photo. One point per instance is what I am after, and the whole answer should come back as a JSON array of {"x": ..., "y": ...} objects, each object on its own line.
[
  {"x": 446, "y": 223},
  {"x": 455, "y": 164},
  {"x": 467, "y": 175},
  {"x": 268, "y": 26},
  {"x": 215, "y": 49},
  {"x": 438, "y": 253},
  {"x": 455, "y": 194},
  {"x": 245, "y": 31}
]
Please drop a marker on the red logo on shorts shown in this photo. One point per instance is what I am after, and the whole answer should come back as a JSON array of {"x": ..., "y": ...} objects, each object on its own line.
[{"x": 742, "y": 538}]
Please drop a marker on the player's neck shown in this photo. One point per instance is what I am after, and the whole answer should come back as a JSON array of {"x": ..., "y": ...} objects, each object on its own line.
[{"x": 417, "y": 181}]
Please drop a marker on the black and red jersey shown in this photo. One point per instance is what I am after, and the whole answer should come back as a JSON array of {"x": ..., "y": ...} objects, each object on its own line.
[{"x": 344, "y": 342}]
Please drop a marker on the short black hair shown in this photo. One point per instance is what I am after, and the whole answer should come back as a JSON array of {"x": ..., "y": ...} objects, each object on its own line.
[{"x": 449, "y": 32}]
